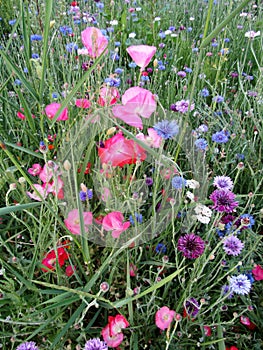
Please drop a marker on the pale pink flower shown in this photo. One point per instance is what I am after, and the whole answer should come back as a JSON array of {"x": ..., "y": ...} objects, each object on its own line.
[
  {"x": 72, "y": 222},
  {"x": 141, "y": 54},
  {"x": 38, "y": 192},
  {"x": 47, "y": 173},
  {"x": 114, "y": 222},
  {"x": 164, "y": 317},
  {"x": 52, "y": 109},
  {"x": 82, "y": 103},
  {"x": 35, "y": 170},
  {"x": 136, "y": 102},
  {"x": 153, "y": 139},
  {"x": 95, "y": 42}
]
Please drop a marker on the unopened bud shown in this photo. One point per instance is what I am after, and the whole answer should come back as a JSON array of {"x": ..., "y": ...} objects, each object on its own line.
[
  {"x": 12, "y": 186},
  {"x": 67, "y": 165}
]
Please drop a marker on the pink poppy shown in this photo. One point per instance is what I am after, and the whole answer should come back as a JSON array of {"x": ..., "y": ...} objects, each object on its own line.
[
  {"x": 119, "y": 151},
  {"x": 141, "y": 54},
  {"x": 22, "y": 116},
  {"x": 258, "y": 273},
  {"x": 136, "y": 102},
  {"x": 83, "y": 103},
  {"x": 108, "y": 96},
  {"x": 153, "y": 140},
  {"x": 72, "y": 222},
  {"x": 114, "y": 222},
  {"x": 117, "y": 323},
  {"x": 56, "y": 188},
  {"x": 41, "y": 189},
  {"x": 70, "y": 270},
  {"x": 133, "y": 270},
  {"x": 164, "y": 317},
  {"x": 95, "y": 42},
  {"x": 112, "y": 340},
  {"x": 35, "y": 170},
  {"x": 52, "y": 109},
  {"x": 47, "y": 173}
]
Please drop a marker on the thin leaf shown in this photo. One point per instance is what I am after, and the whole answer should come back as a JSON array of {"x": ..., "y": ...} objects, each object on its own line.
[{"x": 19, "y": 207}]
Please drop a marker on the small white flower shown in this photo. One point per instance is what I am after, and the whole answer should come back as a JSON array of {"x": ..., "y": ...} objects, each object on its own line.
[
  {"x": 203, "y": 219},
  {"x": 190, "y": 195},
  {"x": 168, "y": 32},
  {"x": 192, "y": 184},
  {"x": 138, "y": 9},
  {"x": 132, "y": 35},
  {"x": 191, "y": 18},
  {"x": 251, "y": 34},
  {"x": 157, "y": 19},
  {"x": 114, "y": 22}
]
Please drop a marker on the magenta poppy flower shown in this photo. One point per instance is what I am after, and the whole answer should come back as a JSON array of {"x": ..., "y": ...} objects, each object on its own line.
[
  {"x": 82, "y": 103},
  {"x": 258, "y": 273},
  {"x": 52, "y": 109},
  {"x": 117, "y": 323},
  {"x": 72, "y": 222},
  {"x": 94, "y": 41},
  {"x": 164, "y": 317},
  {"x": 137, "y": 102},
  {"x": 112, "y": 340},
  {"x": 141, "y": 54},
  {"x": 118, "y": 151},
  {"x": 35, "y": 170},
  {"x": 22, "y": 116},
  {"x": 114, "y": 222}
]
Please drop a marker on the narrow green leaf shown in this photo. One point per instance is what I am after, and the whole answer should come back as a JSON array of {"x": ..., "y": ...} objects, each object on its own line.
[
  {"x": 19, "y": 207},
  {"x": 23, "y": 149}
]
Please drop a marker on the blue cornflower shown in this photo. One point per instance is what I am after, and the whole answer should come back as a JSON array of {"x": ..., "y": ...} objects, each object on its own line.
[
  {"x": 86, "y": 195},
  {"x": 144, "y": 78},
  {"x": 226, "y": 40},
  {"x": 36, "y": 37},
  {"x": 201, "y": 144},
  {"x": 64, "y": 30},
  {"x": 214, "y": 44},
  {"x": 17, "y": 82},
  {"x": 138, "y": 218},
  {"x": 247, "y": 220},
  {"x": 204, "y": 93},
  {"x": 188, "y": 70},
  {"x": 195, "y": 49},
  {"x": 162, "y": 35},
  {"x": 71, "y": 47},
  {"x": 220, "y": 137},
  {"x": 172, "y": 28},
  {"x": 167, "y": 129},
  {"x": 161, "y": 67},
  {"x": 218, "y": 99},
  {"x": 114, "y": 56},
  {"x": 110, "y": 29},
  {"x": 225, "y": 289},
  {"x": 117, "y": 43},
  {"x": 12, "y": 22},
  {"x": 115, "y": 82},
  {"x": 161, "y": 248},
  {"x": 132, "y": 65},
  {"x": 25, "y": 70},
  {"x": 100, "y": 5},
  {"x": 189, "y": 29},
  {"x": 250, "y": 277},
  {"x": 240, "y": 156},
  {"x": 178, "y": 182},
  {"x": 118, "y": 71},
  {"x": 35, "y": 55},
  {"x": 240, "y": 284},
  {"x": 55, "y": 95}
]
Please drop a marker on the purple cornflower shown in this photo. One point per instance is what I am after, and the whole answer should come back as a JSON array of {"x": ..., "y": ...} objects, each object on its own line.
[
  {"x": 232, "y": 245},
  {"x": 240, "y": 284},
  {"x": 201, "y": 144},
  {"x": 149, "y": 181},
  {"x": 167, "y": 129},
  {"x": 27, "y": 346},
  {"x": 178, "y": 182},
  {"x": 225, "y": 290},
  {"x": 224, "y": 201},
  {"x": 218, "y": 99},
  {"x": 95, "y": 344},
  {"x": 220, "y": 137},
  {"x": 181, "y": 74},
  {"x": 223, "y": 182},
  {"x": 192, "y": 307},
  {"x": 191, "y": 245},
  {"x": 183, "y": 105}
]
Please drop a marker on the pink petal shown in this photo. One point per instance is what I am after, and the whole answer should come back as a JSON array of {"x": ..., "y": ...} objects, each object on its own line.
[
  {"x": 95, "y": 42},
  {"x": 141, "y": 54},
  {"x": 126, "y": 114},
  {"x": 82, "y": 103}
]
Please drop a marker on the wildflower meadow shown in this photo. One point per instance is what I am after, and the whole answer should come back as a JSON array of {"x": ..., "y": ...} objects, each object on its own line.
[{"x": 131, "y": 174}]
